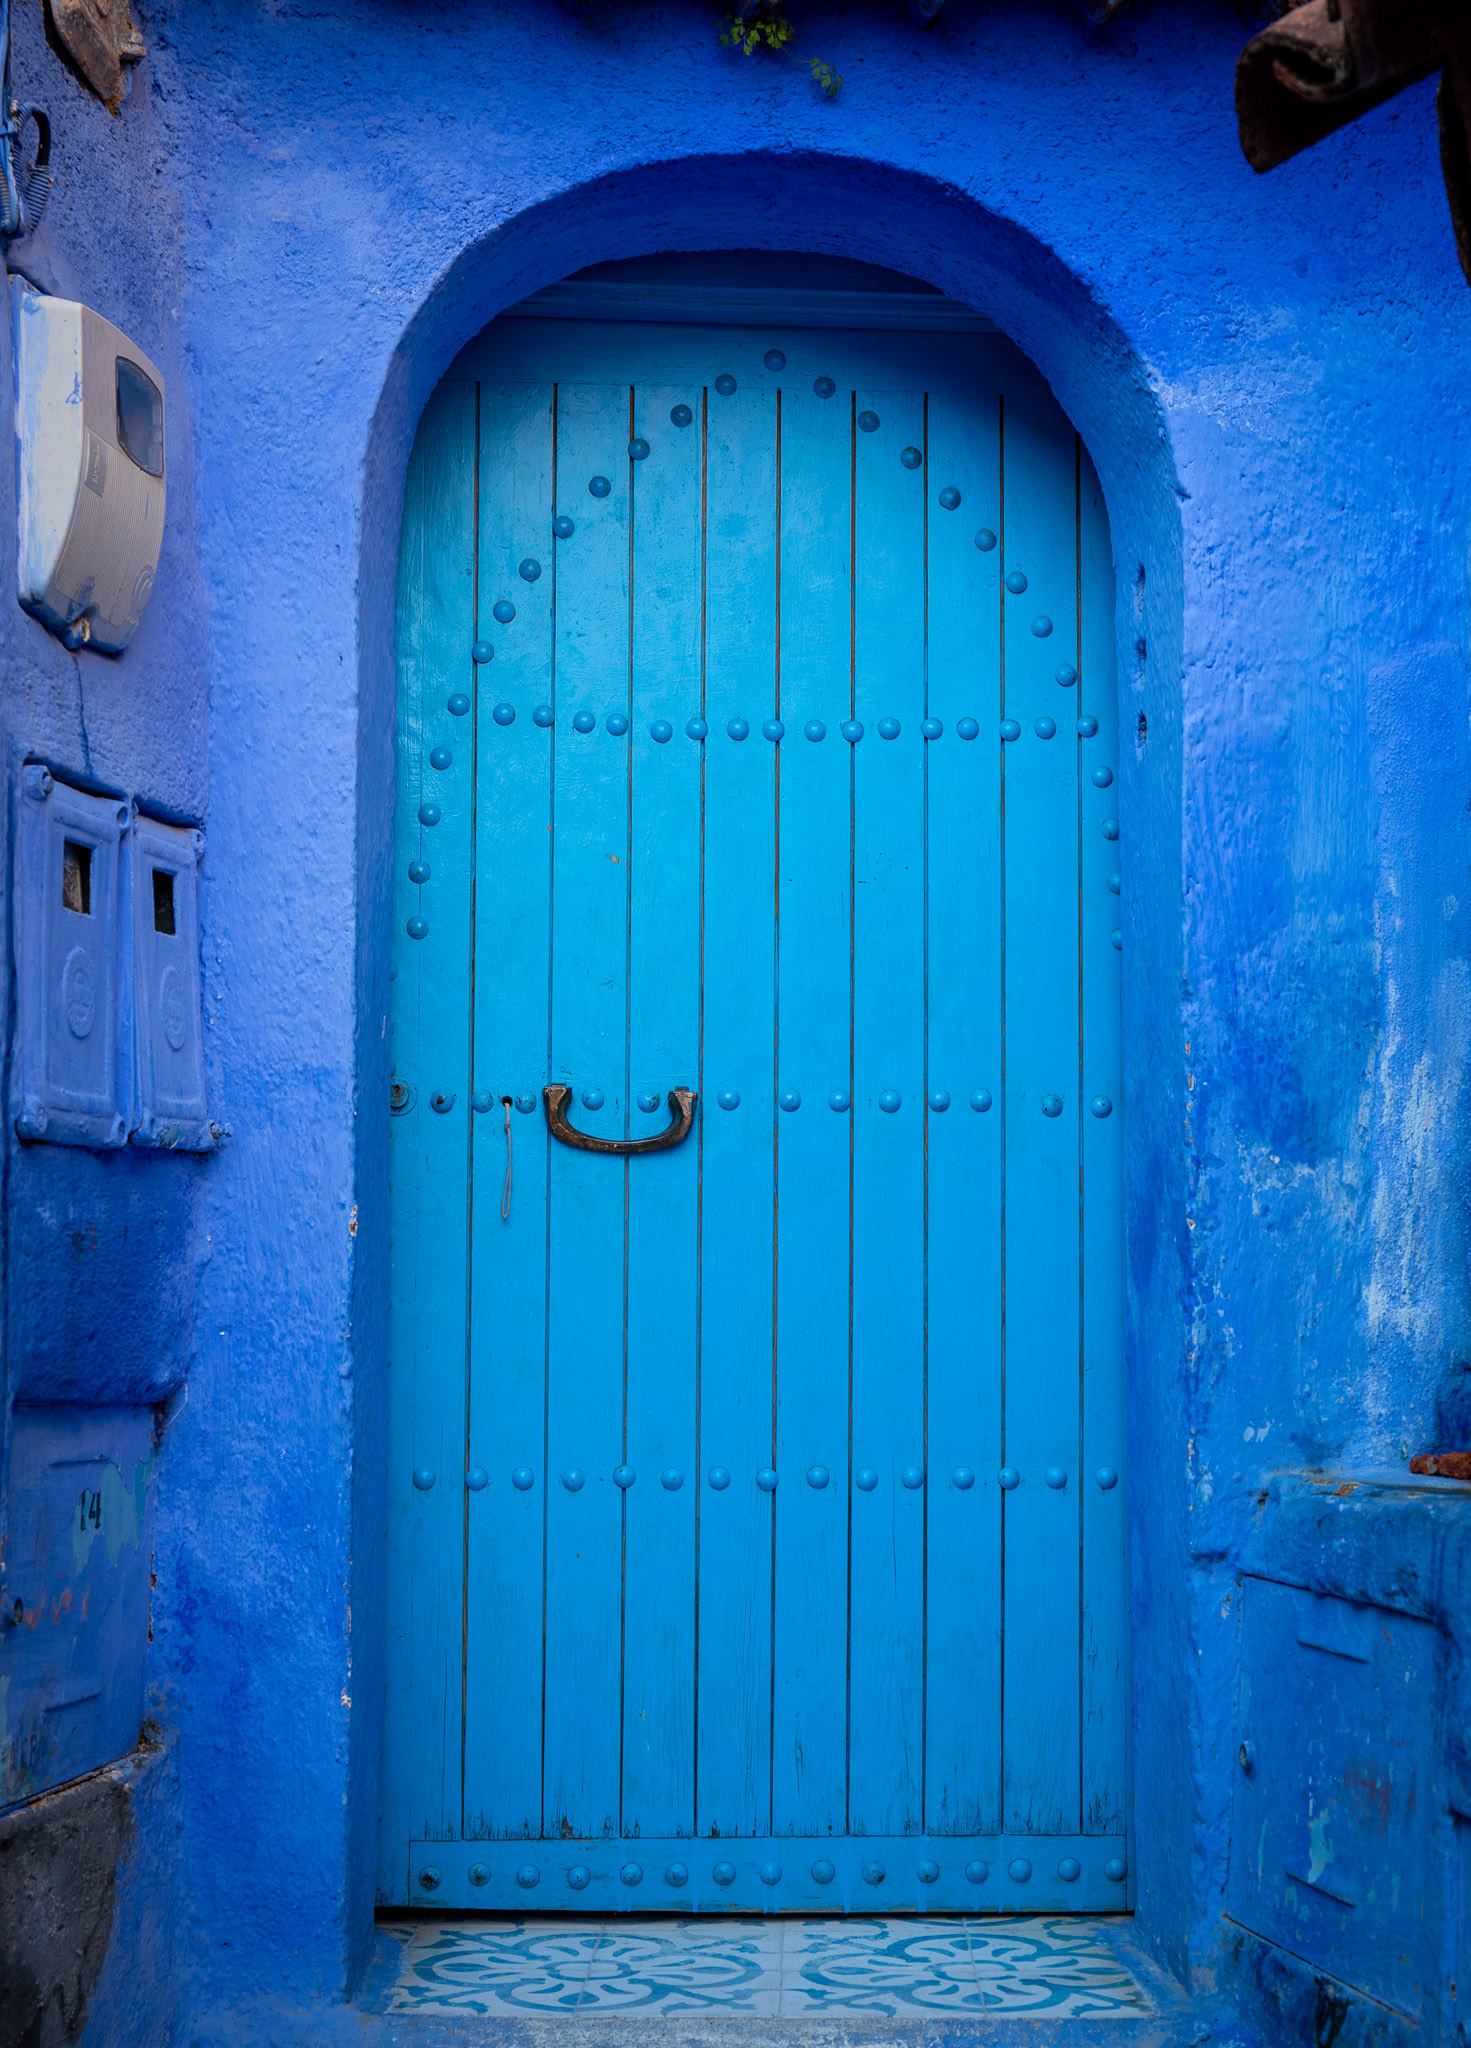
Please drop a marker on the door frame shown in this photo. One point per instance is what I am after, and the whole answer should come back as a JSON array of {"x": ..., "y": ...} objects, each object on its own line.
[{"x": 1102, "y": 377}]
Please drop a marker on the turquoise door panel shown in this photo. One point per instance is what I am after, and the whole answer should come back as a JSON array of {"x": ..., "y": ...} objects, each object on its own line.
[{"x": 756, "y": 1528}]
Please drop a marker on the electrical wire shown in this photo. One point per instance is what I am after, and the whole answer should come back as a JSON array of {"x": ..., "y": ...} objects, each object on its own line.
[{"x": 22, "y": 199}]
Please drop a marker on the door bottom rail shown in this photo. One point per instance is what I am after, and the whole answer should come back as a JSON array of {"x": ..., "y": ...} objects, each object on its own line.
[{"x": 776, "y": 1874}]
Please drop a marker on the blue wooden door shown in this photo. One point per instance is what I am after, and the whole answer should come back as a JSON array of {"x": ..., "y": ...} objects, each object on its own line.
[{"x": 756, "y": 1516}]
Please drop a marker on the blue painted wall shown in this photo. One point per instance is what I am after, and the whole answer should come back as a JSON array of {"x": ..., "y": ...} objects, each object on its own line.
[
  {"x": 302, "y": 216},
  {"x": 101, "y": 1252}
]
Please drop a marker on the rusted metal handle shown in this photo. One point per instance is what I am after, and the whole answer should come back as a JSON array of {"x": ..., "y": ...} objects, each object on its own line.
[{"x": 681, "y": 1100}]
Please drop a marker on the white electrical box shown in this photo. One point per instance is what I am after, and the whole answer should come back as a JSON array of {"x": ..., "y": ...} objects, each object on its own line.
[{"x": 90, "y": 470}]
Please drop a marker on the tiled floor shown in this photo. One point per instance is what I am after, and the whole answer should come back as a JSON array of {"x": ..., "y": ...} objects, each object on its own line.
[{"x": 779, "y": 1968}]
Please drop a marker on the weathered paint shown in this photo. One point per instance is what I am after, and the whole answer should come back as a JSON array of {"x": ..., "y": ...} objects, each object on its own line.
[
  {"x": 78, "y": 1547},
  {"x": 302, "y": 218}
]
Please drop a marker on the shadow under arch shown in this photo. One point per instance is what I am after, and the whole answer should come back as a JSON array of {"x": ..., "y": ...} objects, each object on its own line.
[
  {"x": 865, "y": 209},
  {"x": 828, "y": 205}
]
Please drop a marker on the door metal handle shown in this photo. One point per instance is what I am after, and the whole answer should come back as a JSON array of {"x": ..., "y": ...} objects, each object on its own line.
[{"x": 681, "y": 1100}]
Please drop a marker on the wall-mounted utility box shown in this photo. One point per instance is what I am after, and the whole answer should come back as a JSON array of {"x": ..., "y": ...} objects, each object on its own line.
[
  {"x": 74, "y": 1613},
  {"x": 1335, "y": 1800},
  {"x": 89, "y": 470},
  {"x": 73, "y": 1065},
  {"x": 160, "y": 871},
  {"x": 106, "y": 917}
]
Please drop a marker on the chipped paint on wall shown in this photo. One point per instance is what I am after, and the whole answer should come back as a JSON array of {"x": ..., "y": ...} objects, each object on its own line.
[{"x": 302, "y": 219}]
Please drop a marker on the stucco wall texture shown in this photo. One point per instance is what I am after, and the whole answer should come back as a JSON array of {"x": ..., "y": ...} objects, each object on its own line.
[{"x": 301, "y": 214}]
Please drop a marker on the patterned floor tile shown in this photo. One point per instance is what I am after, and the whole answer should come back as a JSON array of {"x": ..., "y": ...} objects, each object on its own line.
[
  {"x": 495, "y": 1966},
  {"x": 1055, "y": 1966},
  {"x": 938, "y": 1936},
  {"x": 791, "y": 1968},
  {"x": 700, "y": 1928},
  {"x": 733, "y": 1967},
  {"x": 883, "y": 1968},
  {"x": 511, "y": 1966}
]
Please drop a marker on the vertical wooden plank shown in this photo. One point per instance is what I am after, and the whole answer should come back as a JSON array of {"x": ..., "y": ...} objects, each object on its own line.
[
  {"x": 585, "y": 1316},
  {"x": 886, "y": 1722},
  {"x": 661, "y": 1507},
  {"x": 1105, "y": 1628},
  {"x": 733, "y": 1741},
  {"x": 814, "y": 937},
  {"x": 429, "y": 1156},
  {"x": 504, "y": 1552},
  {"x": 1040, "y": 1714},
  {"x": 963, "y": 950}
]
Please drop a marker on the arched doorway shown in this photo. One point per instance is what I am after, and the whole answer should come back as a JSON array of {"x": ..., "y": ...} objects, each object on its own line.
[{"x": 756, "y": 1533}]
